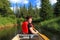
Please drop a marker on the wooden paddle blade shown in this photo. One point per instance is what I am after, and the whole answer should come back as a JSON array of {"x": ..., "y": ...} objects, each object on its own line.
[{"x": 43, "y": 36}]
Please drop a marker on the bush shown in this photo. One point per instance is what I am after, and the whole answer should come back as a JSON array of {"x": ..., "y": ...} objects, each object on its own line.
[{"x": 7, "y": 20}]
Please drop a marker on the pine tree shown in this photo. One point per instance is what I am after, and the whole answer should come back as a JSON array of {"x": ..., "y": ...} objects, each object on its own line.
[
  {"x": 30, "y": 10},
  {"x": 46, "y": 10},
  {"x": 36, "y": 12},
  {"x": 57, "y": 8},
  {"x": 21, "y": 12},
  {"x": 24, "y": 11}
]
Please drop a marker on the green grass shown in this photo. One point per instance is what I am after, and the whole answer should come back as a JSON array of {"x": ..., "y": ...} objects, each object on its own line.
[
  {"x": 46, "y": 22},
  {"x": 7, "y": 20}
]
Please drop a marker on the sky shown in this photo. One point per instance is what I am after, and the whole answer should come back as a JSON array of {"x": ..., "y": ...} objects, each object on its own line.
[{"x": 26, "y": 2}]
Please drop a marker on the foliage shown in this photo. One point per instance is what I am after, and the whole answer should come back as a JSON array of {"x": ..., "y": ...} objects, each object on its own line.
[
  {"x": 5, "y": 8},
  {"x": 7, "y": 20},
  {"x": 57, "y": 9},
  {"x": 46, "y": 22},
  {"x": 46, "y": 10},
  {"x": 29, "y": 11}
]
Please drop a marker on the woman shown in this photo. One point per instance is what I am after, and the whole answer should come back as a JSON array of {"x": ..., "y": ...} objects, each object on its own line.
[{"x": 27, "y": 26}]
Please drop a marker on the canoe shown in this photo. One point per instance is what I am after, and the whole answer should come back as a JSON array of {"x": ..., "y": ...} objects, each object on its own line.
[{"x": 27, "y": 37}]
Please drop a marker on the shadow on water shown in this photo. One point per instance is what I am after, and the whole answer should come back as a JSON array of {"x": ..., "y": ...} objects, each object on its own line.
[
  {"x": 18, "y": 26},
  {"x": 51, "y": 33},
  {"x": 8, "y": 34}
]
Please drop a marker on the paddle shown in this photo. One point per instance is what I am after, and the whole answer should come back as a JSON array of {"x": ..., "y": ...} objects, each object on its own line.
[{"x": 42, "y": 36}]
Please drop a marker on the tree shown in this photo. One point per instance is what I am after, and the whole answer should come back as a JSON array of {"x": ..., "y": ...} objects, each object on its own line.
[
  {"x": 23, "y": 11},
  {"x": 36, "y": 12},
  {"x": 5, "y": 8},
  {"x": 46, "y": 10},
  {"x": 57, "y": 8},
  {"x": 30, "y": 10}
]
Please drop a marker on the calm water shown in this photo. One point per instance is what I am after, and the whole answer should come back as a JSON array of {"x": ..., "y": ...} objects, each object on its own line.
[{"x": 13, "y": 31}]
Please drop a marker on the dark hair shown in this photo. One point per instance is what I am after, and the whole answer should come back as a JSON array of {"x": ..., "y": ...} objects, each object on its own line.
[{"x": 28, "y": 17}]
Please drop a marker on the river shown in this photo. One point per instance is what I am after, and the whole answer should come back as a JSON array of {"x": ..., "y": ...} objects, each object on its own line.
[{"x": 52, "y": 35}]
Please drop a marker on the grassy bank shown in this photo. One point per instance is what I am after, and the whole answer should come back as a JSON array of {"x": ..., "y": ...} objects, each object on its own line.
[
  {"x": 7, "y": 21},
  {"x": 7, "y": 27}
]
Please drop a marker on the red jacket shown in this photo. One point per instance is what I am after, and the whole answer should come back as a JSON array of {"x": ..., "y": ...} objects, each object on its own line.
[{"x": 25, "y": 27}]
